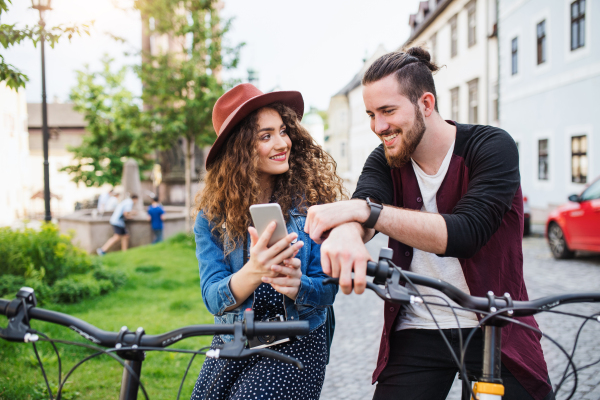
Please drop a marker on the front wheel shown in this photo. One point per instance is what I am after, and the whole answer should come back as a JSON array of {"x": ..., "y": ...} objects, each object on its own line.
[{"x": 558, "y": 243}]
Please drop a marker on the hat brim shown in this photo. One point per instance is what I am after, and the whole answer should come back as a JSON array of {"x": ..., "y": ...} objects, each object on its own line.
[{"x": 292, "y": 99}]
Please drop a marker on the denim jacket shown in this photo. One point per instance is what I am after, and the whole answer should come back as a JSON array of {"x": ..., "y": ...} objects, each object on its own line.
[{"x": 216, "y": 270}]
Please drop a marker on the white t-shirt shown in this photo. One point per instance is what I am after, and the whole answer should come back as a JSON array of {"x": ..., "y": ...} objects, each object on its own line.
[
  {"x": 445, "y": 268},
  {"x": 102, "y": 199},
  {"x": 118, "y": 216},
  {"x": 111, "y": 203}
]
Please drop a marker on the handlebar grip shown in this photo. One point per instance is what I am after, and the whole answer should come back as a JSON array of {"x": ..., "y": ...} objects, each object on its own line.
[
  {"x": 371, "y": 268},
  {"x": 4, "y": 306},
  {"x": 287, "y": 328}
]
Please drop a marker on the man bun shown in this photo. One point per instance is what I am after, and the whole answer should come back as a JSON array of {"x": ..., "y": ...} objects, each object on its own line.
[
  {"x": 412, "y": 68},
  {"x": 423, "y": 56}
]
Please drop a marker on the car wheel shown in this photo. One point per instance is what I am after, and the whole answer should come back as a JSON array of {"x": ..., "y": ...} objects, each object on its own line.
[
  {"x": 527, "y": 227},
  {"x": 558, "y": 244}
]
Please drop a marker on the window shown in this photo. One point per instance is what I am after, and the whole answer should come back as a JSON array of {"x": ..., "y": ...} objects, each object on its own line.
[
  {"x": 343, "y": 149},
  {"x": 453, "y": 37},
  {"x": 433, "y": 46},
  {"x": 473, "y": 100},
  {"x": 514, "y": 56},
  {"x": 579, "y": 160},
  {"x": 577, "y": 24},
  {"x": 541, "y": 42},
  {"x": 543, "y": 159},
  {"x": 592, "y": 193},
  {"x": 454, "y": 104},
  {"x": 472, "y": 23}
]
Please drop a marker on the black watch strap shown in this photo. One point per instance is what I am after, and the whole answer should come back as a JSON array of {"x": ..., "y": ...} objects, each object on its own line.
[{"x": 376, "y": 208}]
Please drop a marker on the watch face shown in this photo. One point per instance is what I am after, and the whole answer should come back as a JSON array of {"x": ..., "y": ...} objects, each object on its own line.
[{"x": 374, "y": 201}]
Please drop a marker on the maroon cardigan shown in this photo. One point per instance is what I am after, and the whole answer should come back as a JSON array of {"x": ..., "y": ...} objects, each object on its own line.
[{"x": 495, "y": 265}]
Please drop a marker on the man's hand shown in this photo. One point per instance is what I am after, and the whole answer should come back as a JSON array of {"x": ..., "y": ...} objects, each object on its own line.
[
  {"x": 344, "y": 252},
  {"x": 322, "y": 218}
]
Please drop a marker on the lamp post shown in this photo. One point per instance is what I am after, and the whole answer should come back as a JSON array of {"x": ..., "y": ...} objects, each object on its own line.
[{"x": 41, "y": 6}]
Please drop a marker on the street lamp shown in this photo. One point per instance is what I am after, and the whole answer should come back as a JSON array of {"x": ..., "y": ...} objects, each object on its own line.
[{"x": 41, "y": 6}]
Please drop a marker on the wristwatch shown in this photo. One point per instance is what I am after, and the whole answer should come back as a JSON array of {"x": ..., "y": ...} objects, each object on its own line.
[{"x": 376, "y": 208}]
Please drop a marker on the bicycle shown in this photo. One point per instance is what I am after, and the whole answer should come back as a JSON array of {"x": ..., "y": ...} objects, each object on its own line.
[
  {"x": 130, "y": 347},
  {"x": 497, "y": 312}
]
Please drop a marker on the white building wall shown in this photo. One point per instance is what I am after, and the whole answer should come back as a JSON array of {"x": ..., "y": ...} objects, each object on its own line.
[
  {"x": 555, "y": 100},
  {"x": 15, "y": 190},
  {"x": 336, "y": 136},
  {"x": 362, "y": 139},
  {"x": 475, "y": 62}
]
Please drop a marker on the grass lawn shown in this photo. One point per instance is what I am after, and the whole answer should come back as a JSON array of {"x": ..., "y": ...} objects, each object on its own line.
[{"x": 162, "y": 293}]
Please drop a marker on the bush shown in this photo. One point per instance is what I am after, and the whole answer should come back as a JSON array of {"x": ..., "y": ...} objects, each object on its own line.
[
  {"x": 45, "y": 254},
  {"x": 48, "y": 262}
]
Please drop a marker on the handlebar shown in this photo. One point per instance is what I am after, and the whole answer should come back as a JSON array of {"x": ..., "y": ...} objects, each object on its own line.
[
  {"x": 24, "y": 308},
  {"x": 109, "y": 339},
  {"x": 385, "y": 272}
]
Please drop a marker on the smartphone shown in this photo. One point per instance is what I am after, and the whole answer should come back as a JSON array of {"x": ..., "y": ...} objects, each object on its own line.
[{"x": 263, "y": 214}]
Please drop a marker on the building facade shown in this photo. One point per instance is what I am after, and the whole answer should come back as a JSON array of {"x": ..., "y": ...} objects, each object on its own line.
[
  {"x": 549, "y": 74},
  {"x": 461, "y": 38},
  {"x": 349, "y": 138},
  {"x": 15, "y": 183},
  {"x": 66, "y": 128}
]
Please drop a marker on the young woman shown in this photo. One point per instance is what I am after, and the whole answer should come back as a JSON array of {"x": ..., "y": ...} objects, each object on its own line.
[{"x": 262, "y": 154}]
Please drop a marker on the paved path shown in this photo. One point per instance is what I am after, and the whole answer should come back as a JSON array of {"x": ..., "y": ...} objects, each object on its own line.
[{"x": 359, "y": 321}]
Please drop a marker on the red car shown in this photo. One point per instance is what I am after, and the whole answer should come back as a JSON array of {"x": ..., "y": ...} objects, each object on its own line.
[{"x": 576, "y": 225}]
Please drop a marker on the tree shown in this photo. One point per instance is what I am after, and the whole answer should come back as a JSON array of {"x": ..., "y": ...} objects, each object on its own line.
[
  {"x": 182, "y": 84},
  {"x": 114, "y": 121},
  {"x": 9, "y": 36}
]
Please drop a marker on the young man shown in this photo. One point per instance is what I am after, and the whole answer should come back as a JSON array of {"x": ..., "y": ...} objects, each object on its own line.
[
  {"x": 453, "y": 209},
  {"x": 156, "y": 216},
  {"x": 123, "y": 211}
]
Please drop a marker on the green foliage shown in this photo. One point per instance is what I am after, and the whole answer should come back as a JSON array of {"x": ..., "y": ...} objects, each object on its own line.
[
  {"x": 148, "y": 269},
  {"x": 182, "y": 85},
  {"x": 114, "y": 121},
  {"x": 40, "y": 391},
  {"x": 135, "y": 305},
  {"x": 48, "y": 262},
  {"x": 45, "y": 255},
  {"x": 184, "y": 238},
  {"x": 10, "y": 35}
]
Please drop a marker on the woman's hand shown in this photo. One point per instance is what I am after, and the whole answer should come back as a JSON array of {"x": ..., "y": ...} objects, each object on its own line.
[
  {"x": 288, "y": 280},
  {"x": 263, "y": 258}
]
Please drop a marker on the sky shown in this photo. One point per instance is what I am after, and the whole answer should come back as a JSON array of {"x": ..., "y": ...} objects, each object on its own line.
[{"x": 313, "y": 46}]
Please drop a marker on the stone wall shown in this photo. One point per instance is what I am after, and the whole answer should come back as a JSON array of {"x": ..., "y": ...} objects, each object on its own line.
[{"x": 92, "y": 231}]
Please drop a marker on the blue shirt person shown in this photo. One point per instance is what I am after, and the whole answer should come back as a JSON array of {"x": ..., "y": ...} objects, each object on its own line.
[{"x": 156, "y": 213}]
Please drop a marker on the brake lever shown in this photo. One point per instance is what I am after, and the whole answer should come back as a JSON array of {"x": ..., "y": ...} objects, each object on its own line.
[
  {"x": 236, "y": 349},
  {"x": 273, "y": 354}
]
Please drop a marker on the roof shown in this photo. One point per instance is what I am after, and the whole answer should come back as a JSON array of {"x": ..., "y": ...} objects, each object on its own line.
[
  {"x": 59, "y": 115},
  {"x": 356, "y": 80},
  {"x": 431, "y": 16},
  {"x": 354, "y": 83}
]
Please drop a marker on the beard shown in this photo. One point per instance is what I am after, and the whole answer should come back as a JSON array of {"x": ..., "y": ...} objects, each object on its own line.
[{"x": 410, "y": 140}]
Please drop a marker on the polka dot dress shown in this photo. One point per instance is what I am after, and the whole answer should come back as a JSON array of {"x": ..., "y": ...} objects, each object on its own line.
[{"x": 264, "y": 378}]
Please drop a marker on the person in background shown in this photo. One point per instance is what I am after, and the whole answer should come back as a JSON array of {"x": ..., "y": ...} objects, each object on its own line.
[
  {"x": 112, "y": 202},
  {"x": 155, "y": 216},
  {"x": 103, "y": 200},
  {"x": 123, "y": 211}
]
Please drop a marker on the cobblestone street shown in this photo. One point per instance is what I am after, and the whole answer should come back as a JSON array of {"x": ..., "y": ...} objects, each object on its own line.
[{"x": 359, "y": 322}]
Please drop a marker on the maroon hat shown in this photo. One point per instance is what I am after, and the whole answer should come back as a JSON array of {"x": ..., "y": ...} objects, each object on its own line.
[{"x": 240, "y": 101}]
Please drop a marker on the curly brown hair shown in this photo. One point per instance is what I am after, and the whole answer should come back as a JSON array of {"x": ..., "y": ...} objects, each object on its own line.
[{"x": 232, "y": 181}]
